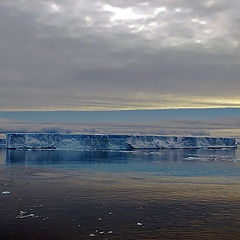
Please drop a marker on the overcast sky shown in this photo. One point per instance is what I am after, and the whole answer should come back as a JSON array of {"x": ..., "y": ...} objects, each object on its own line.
[{"x": 98, "y": 55}]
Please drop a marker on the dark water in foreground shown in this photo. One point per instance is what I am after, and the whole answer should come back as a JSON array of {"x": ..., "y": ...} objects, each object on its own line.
[{"x": 168, "y": 194}]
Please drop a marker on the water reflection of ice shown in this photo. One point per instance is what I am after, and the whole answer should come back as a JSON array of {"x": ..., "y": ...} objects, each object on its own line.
[{"x": 182, "y": 162}]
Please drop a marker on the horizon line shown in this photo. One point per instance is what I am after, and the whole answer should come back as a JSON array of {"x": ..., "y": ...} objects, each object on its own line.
[{"x": 113, "y": 110}]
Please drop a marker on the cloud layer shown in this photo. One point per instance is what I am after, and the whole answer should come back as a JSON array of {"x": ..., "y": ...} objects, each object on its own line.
[
  {"x": 226, "y": 127},
  {"x": 115, "y": 54}
]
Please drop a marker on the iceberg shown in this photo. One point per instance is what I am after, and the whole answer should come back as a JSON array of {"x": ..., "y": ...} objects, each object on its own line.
[{"x": 112, "y": 142}]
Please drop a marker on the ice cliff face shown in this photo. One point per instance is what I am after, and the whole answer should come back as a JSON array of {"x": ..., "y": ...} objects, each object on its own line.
[
  {"x": 2, "y": 143},
  {"x": 112, "y": 142}
]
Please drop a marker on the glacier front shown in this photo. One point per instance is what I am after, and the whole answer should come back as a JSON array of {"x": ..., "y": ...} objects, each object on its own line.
[{"x": 112, "y": 142}]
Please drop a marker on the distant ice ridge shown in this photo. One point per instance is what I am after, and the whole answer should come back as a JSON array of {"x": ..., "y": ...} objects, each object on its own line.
[{"x": 112, "y": 142}]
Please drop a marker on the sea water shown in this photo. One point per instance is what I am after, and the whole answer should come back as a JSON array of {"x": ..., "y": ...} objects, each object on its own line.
[{"x": 166, "y": 194}]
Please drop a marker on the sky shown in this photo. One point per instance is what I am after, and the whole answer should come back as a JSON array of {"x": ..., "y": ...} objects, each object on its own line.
[{"x": 100, "y": 56}]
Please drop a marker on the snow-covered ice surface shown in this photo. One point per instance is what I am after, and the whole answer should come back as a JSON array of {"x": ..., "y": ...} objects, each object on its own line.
[{"x": 112, "y": 142}]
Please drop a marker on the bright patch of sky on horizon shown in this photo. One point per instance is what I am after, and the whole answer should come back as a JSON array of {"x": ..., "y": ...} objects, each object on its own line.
[{"x": 119, "y": 55}]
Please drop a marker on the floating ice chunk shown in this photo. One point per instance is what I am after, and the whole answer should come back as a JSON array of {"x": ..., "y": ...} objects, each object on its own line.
[
  {"x": 190, "y": 158},
  {"x": 110, "y": 232},
  {"x": 6, "y": 192},
  {"x": 91, "y": 235},
  {"x": 139, "y": 224},
  {"x": 211, "y": 158},
  {"x": 23, "y": 214}
]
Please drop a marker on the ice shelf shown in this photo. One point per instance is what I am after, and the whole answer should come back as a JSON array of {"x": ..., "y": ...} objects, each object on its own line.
[{"x": 112, "y": 142}]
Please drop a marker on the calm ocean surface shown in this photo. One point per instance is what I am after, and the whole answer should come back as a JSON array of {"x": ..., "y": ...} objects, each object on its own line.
[{"x": 166, "y": 194}]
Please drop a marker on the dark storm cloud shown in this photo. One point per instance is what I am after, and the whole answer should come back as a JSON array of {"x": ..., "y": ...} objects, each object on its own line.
[{"x": 119, "y": 54}]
